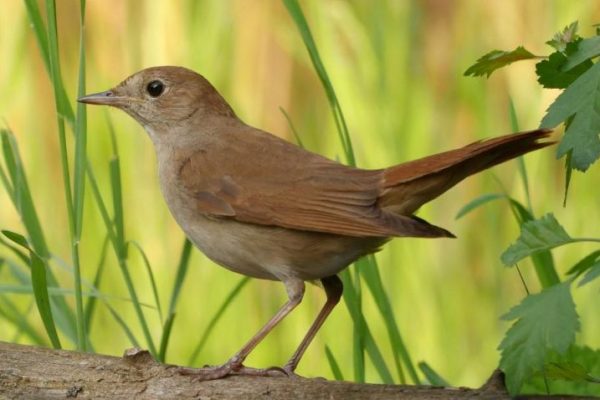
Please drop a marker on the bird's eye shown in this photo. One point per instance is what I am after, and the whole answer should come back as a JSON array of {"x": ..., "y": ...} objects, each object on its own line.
[{"x": 155, "y": 88}]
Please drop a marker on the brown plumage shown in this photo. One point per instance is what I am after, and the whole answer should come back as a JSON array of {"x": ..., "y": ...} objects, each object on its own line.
[{"x": 263, "y": 207}]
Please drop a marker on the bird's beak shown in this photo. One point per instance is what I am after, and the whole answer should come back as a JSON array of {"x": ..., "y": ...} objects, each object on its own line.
[{"x": 108, "y": 98}]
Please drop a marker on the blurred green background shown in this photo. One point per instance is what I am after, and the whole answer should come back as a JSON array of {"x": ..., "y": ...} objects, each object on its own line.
[{"x": 397, "y": 67}]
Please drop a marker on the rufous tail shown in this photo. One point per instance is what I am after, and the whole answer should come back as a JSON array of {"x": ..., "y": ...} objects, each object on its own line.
[{"x": 408, "y": 186}]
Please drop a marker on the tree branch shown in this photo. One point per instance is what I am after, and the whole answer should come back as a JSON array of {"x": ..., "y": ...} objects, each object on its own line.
[{"x": 28, "y": 372}]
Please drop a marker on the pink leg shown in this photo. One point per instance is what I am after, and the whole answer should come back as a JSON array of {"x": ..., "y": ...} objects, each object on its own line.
[
  {"x": 234, "y": 366},
  {"x": 333, "y": 289}
]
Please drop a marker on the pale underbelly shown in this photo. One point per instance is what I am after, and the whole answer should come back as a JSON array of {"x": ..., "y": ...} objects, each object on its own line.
[{"x": 275, "y": 253}]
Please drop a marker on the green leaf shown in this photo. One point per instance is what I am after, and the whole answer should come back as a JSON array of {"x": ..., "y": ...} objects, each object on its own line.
[
  {"x": 586, "y": 50},
  {"x": 592, "y": 274},
  {"x": 552, "y": 72},
  {"x": 584, "y": 264},
  {"x": 496, "y": 59},
  {"x": 568, "y": 175},
  {"x": 576, "y": 373},
  {"x": 536, "y": 236},
  {"x": 566, "y": 36},
  {"x": 16, "y": 238},
  {"x": 570, "y": 371},
  {"x": 542, "y": 260},
  {"x": 478, "y": 202},
  {"x": 546, "y": 322},
  {"x": 582, "y": 101}
]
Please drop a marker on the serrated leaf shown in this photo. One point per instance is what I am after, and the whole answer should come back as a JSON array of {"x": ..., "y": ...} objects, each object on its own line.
[
  {"x": 575, "y": 359},
  {"x": 536, "y": 236},
  {"x": 592, "y": 274},
  {"x": 552, "y": 72},
  {"x": 563, "y": 38},
  {"x": 546, "y": 322},
  {"x": 496, "y": 59},
  {"x": 570, "y": 371},
  {"x": 586, "y": 50},
  {"x": 582, "y": 101}
]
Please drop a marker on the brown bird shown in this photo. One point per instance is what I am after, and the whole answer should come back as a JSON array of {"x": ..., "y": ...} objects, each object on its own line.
[{"x": 263, "y": 207}]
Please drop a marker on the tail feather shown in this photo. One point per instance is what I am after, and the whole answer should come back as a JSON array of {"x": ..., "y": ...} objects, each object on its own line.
[{"x": 407, "y": 186}]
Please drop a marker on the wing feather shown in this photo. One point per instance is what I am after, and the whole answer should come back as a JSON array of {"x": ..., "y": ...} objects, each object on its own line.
[{"x": 294, "y": 189}]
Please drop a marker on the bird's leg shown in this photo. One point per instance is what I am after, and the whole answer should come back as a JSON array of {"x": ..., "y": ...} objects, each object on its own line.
[
  {"x": 234, "y": 366},
  {"x": 333, "y": 289}
]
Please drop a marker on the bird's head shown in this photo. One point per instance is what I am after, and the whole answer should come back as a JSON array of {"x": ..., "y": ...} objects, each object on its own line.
[{"x": 163, "y": 98}]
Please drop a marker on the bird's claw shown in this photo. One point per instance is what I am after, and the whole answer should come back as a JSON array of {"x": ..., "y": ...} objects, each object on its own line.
[{"x": 208, "y": 373}]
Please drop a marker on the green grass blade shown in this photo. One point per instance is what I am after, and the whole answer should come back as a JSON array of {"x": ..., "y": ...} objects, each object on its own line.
[
  {"x": 116, "y": 245},
  {"x": 63, "y": 107},
  {"x": 150, "y": 276},
  {"x": 90, "y": 306},
  {"x": 297, "y": 15},
  {"x": 351, "y": 298},
  {"x": 64, "y": 111},
  {"x": 370, "y": 272},
  {"x": 117, "y": 198},
  {"x": 432, "y": 377},
  {"x": 164, "y": 342},
  {"x": 213, "y": 321},
  {"x": 23, "y": 202},
  {"x": 182, "y": 268},
  {"x": 40, "y": 288},
  {"x": 80, "y": 139},
  {"x": 20, "y": 254},
  {"x": 377, "y": 358},
  {"x": 116, "y": 234},
  {"x": 364, "y": 339},
  {"x": 478, "y": 202},
  {"x": 10, "y": 312},
  {"x": 7, "y": 185},
  {"x": 137, "y": 306},
  {"x": 79, "y": 192},
  {"x": 514, "y": 122},
  {"x": 333, "y": 364},
  {"x": 22, "y": 195},
  {"x": 35, "y": 17},
  {"x": 124, "y": 326},
  {"x": 293, "y": 129}
]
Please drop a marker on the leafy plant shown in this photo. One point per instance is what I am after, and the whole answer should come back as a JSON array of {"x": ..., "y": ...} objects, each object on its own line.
[{"x": 541, "y": 340}]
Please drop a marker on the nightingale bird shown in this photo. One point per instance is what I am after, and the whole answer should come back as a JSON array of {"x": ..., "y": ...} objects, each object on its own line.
[{"x": 266, "y": 208}]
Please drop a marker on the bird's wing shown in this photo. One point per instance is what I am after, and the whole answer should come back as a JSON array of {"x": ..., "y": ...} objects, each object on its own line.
[{"x": 295, "y": 189}]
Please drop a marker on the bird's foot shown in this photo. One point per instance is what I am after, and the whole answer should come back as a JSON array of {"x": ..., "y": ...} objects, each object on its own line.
[{"x": 232, "y": 367}]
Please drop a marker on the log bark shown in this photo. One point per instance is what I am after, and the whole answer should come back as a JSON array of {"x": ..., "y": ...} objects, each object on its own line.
[{"x": 28, "y": 372}]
